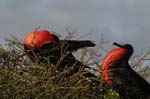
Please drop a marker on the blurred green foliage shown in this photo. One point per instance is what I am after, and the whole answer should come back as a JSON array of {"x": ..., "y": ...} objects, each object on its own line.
[{"x": 20, "y": 78}]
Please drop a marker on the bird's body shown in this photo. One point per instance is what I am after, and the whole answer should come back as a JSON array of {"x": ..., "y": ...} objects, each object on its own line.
[
  {"x": 55, "y": 51},
  {"x": 60, "y": 52},
  {"x": 129, "y": 84},
  {"x": 117, "y": 72}
]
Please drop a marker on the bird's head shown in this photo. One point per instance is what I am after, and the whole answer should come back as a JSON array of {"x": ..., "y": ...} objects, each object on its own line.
[
  {"x": 127, "y": 47},
  {"x": 114, "y": 57}
]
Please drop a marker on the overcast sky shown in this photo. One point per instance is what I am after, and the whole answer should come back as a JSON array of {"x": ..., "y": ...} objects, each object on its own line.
[{"x": 126, "y": 21}]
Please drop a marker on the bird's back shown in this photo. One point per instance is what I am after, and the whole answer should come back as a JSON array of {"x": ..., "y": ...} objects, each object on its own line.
[{"x": 130, "y": 85}]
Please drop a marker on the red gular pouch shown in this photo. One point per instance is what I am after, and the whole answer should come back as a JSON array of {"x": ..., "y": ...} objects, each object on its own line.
[
  {"x": 36, "y": 39},
  {"x": 109, "y": 60}
]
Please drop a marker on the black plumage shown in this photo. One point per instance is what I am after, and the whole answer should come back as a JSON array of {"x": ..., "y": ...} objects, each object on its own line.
[
  {"x": 59, "y": 51},
  {"x": 125, "y": 80}
]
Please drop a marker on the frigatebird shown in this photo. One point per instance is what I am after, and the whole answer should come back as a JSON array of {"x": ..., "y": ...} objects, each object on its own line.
[{"x": 117, "y": 72}]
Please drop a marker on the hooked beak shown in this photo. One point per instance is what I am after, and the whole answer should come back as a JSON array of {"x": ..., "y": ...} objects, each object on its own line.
[{"x": 118, "y": 45}]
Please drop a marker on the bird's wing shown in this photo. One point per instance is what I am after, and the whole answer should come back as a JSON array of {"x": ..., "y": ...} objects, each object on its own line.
[
  {"x": 129, "y": 84},
  {"x": 141, "y": 82},
  {"x": 73, "y": 45}
]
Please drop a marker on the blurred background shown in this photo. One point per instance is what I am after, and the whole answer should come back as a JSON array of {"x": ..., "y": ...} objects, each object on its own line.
[{"x": 125, "y": 21}]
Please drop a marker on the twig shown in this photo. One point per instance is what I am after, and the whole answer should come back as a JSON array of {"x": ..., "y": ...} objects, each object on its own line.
[{"x": 140, "y": 59}]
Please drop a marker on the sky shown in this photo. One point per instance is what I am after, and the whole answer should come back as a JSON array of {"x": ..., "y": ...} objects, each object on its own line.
[{"x": 124, "y": 21}]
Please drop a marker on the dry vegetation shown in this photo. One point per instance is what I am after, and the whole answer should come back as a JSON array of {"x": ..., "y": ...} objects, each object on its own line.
[{"x": 22, "y": 79}]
